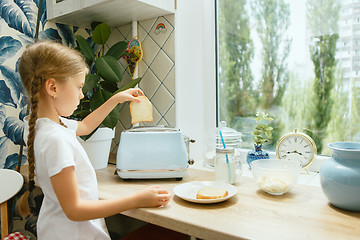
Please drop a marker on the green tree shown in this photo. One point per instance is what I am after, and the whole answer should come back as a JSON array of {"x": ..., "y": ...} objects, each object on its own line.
[
  {"x": 322, "y": 16},
  {"x": 323, "y": 57},
  {"x": 337, "y": 128},
  {"x": 294, "y": 104},
  {"x": 272, "y": 22},
  {"x": 236, "y": 52},
  {"x": 322, "y": 19},
  {"x": 272, "y": 19}
]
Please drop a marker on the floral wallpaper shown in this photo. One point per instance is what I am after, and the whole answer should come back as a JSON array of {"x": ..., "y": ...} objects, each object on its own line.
[
  {"x": 17, "y": 29},
  {"x": 18, "y": 20}
]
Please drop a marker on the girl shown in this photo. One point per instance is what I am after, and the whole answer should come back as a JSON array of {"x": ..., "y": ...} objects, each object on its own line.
[{"x": 53, "y": 76}]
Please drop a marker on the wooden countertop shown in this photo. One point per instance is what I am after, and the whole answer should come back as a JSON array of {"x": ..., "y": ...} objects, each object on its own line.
[{"x": 303, "y": 213}]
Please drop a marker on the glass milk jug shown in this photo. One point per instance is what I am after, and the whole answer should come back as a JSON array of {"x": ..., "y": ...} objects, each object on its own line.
[
  {"x": 226, "y": 166},
  {"x": 232, "y": 139}
]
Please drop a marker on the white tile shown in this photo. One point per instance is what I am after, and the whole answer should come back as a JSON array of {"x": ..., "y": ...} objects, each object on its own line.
[
  {"x": 142, "y": 34},
  {"x": 149, "y": 84},
  {"x": 169, "y": 46},
  {"x": 143, "y": 67},
  {"x": 171, "y": 19},
  {"x": 161, "y": 31},
  {"x": 162, "y": 122},
  {"x": 169, "y": 81},
  {"x": 161, "y": 65},
  {"x": 156, "y": 117},
  {"x": 125, "y": 78},
  {"x": 162, "y": 100},
  {"x": 115, "y": 37},
  {"x": 150, "y": 49},
  {"x": 123, "y": 65},
  {"x": 147, "y": 25},
  {"x": 126, "y": 31},
  {"x": 170, "y": 116},
  {"x": 125, "y": 117}
]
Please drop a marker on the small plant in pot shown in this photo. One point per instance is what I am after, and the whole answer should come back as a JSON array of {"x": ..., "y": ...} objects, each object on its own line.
[
  {"x": 261, "y": 135},
  {"x": 105, "y": 74}
]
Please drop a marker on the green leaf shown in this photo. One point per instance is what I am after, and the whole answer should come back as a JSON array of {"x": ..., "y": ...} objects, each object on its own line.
[
  {"x": 98, "y": 98},
  {"x": 94, "y": 24},
  {"x": 85, "y": 48},
  {"x": 268, "y": 128},
  {"x": 118, "y": 50},
  {"x": 257, "y": 132},
  {"x": 108, "y": 68},
  {"x": 268, "y": 134},
  {"x": 90, "y": 82},
  {"x": 101, "y": 33},
  {"x": 81, "y": 114},
  {"x": 109, "y": 86},
  {"x": 130, "y": 84},
  {"x": 260, "y": 127},
  {"x": 112, "y": 119}
]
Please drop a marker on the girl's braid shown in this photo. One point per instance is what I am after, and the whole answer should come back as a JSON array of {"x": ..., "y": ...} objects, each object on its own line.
[
  {"x": 35, "y": 93},
  {"x": 23, "y": 203}
]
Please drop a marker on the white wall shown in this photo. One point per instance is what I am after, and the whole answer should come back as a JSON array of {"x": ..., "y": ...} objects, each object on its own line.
[{"x": 195, "y": 71}]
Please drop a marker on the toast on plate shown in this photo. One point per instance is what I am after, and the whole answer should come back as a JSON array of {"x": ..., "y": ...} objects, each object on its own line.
[{"x": 211, "y": 193}]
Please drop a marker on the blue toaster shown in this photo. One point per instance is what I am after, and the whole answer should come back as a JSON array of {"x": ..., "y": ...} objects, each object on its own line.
[{"x": 152, "y": 152}]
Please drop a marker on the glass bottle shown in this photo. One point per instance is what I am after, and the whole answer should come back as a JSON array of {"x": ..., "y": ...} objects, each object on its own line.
[{"x": 226, "y": 166}]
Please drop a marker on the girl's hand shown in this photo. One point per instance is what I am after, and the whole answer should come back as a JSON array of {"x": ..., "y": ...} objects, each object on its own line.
[
  {"x": 130, "y": 94},
  {"x": 154, "y": 196}
]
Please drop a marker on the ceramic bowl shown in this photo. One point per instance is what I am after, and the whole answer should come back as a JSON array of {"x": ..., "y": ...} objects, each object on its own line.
[
  {"x": 275, "y": 176},
  {"x": 340, "y": 176}
]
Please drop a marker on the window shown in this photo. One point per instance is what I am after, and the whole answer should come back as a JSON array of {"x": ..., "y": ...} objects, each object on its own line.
[{"x": 285, "y": 58}]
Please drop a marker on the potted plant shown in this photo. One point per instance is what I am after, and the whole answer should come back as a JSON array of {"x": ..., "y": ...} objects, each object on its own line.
[
  {"x": 261, "y": 135},
  {"x": 100, "y": 84}
]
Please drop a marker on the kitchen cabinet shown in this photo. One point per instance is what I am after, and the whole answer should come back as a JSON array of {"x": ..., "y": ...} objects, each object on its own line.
[{"x": 114, "y": 12}]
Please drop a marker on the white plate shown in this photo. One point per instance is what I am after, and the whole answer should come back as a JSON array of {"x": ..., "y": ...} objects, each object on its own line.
[{"x": 188, "y": 191}]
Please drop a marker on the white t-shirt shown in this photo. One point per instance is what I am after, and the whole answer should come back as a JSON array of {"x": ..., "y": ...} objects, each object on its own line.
[{"x": 56, "y": 147}]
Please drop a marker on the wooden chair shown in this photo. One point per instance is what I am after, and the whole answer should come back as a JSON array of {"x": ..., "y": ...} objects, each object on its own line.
[{"x": 10, "y": 184}]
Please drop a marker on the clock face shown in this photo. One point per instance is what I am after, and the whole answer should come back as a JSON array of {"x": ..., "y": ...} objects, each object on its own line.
[{"x": 296, "y": 147}]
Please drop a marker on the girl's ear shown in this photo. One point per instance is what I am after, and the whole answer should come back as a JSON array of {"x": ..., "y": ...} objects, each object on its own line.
[{"x": 50, "y": 87}]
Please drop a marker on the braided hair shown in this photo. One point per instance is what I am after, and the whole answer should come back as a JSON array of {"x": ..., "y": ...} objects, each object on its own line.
[{"x": 39, "y": 62}]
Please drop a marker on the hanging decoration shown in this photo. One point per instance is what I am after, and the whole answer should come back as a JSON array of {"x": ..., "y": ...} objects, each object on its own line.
[{"x": 135, "y": 54}]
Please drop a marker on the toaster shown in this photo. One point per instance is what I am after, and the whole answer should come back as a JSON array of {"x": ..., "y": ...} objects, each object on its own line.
[{"x": 152, "y": 152}]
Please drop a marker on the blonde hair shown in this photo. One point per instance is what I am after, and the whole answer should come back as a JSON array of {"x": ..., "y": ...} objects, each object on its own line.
[{"x": 39, "y": 62}]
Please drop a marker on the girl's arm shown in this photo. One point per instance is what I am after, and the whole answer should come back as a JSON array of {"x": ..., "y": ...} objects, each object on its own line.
[
  {"x": 76, "y": 209},
  {"x": 88, "y": 124}
]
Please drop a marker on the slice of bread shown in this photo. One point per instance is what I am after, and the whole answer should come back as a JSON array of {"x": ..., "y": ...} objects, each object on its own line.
[
  {"x": 211, "y": 193},
  {"x": 141, "y": 111}
]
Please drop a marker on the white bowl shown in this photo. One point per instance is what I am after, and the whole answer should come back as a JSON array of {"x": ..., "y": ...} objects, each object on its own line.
[{"x": 275, "y": 176}]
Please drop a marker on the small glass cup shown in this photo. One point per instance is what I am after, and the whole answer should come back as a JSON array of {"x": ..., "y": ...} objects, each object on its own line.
[{"x": 226, "y": 167}]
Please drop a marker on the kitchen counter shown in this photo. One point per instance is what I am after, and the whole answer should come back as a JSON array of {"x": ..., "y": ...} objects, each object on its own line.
[{"x": 303, "y": 213}]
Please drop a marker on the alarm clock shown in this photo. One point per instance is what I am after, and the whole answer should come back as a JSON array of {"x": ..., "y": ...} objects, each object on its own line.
[{"x": 297, "y": 146}]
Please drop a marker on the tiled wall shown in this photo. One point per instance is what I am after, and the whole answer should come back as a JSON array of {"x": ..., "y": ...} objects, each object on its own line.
[{"x": 157, "y": 69}]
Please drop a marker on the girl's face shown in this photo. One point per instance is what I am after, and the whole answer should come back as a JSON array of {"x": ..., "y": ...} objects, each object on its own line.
[{"x": 69, "y": 94}]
